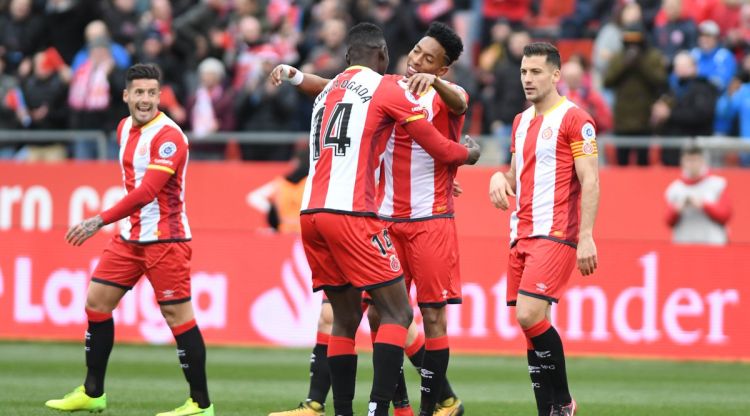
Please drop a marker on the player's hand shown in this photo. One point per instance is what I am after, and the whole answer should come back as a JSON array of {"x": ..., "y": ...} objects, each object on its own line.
[
  {"x": 586, "y": 255},
  {"x": 86, "y": 229},
  {"x": 457, "y": 189},
  {"x": 500, "y": 190},
  {"x": 474, "y": 150},
  {"x": 281, "y": 73},
  {"x": 420, "y": 83}
]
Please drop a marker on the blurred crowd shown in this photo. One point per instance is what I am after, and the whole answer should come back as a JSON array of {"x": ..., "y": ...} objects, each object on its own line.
[{"x": 671, "y": 68}]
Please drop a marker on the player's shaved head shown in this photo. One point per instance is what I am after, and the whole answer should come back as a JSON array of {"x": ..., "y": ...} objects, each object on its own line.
[{"x": 366, "y": 45}]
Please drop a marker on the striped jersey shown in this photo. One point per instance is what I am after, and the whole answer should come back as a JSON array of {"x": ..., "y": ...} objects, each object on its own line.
[
  {"x": 415, "y": 186},
  {"x": 159, "y": 144},
  {"x": 548, "y": 193},
  {"x": 353, "y": 117}
]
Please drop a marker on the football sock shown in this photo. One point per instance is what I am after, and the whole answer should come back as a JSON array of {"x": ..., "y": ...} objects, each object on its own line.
[
  {"x": 342, "y": 363},
  {"x": 401, "y": 396},
  {"x": 540, "y": 382},
  {"x": 549, "y": 349},
  {"x": 100, "y": 337},
  {"x": 387, "y": 359},
  {"x": 191, "y": 350},
  {"x": 320, "y": 376},
  {"x": 433, "y": 371},
  {"x": 415, "y": 351}
]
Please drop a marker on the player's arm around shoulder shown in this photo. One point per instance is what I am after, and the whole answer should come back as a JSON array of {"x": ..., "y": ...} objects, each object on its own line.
[
  {"x": 309, "y": 84},
  {"x": 455, "y": 97}
]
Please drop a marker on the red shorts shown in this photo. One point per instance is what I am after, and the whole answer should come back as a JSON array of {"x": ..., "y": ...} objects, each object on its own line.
[
  {"x": 540, "y": 268},
  {"x": 166, "y": 265},
  {"x": 429, "y": 253},
  {"x": 348, "y": 250}
]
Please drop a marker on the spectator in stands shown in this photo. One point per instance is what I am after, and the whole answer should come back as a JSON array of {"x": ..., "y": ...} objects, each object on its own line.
[
  {"x": 687, "y": 109},
  {"x": 738, "y": 37},
  {"x": 267, "y": 108},
  {"x": 95, "y": 95},
  {"x": 194, "y": 29},
  {"x": 496, "y": 51},
  {"x": 609, "y": 39},
  {"x": 65, "y": 22},
  {"x": 398, "y": 22},
  {"x": 726, "y": 13},
  {"x": 674, "y": 31},
  {"x": 637, "y": 76},
  {"x": 8, "y": 108},
  {"x": 714, "y": 61},
  {"x": 586, "y": 12},
  {"x": 514, "y": 11},
  {"x": 210, "y": 108},
  {"x": 649, "y": 9},
  {"x": 251, "y": 46},
  {"x": 122, "y": 19},
  {"x": 508, "y": 98},
  {"x": 578, "y": 88},
  {"x": 329, "y": 58},
  {"x": 45, "y": 91},
  {"x": 97, "y": 32},
  {"x": 733, "y": 108},
  {"x": 159, "y": 18},
  {"x": 698, "y": 206},
  {"x": 21, "y": 33}
]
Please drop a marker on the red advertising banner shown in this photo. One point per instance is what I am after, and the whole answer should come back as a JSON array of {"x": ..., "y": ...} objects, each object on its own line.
[{"x": 649, "y": 297}]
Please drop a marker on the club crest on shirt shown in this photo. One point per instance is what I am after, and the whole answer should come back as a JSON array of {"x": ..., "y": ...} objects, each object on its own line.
[
  {"x": 587, "y": 148},
  {"x": 547, "y": 133},
  {"x": 167, "y": 150},
  {"x": 395, "y": 264},
  {"x": 142, "y": 150},
  {"x": 588, "y": 132}
]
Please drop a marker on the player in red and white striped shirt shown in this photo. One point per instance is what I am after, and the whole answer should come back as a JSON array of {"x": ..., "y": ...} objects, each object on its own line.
[
  {"x": 415, "y": 198},
  {"x": 554, "y": 178},
  {"x": 155, "y": 242},
  {"x": 345, "y": 242}
]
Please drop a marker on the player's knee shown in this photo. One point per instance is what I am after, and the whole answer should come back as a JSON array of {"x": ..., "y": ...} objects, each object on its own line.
[
  {"x": 434, "y": 322},
  {"x": 97, "y": 305},
  {"x": 404, "y": 317},
  {"x": 528, "y": 317}
]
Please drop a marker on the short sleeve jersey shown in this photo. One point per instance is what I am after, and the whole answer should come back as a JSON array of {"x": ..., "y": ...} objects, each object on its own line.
[
  {"x": 353, "y": 117},
  {"x": 548, "y": 193},
  {"x": 159, "y": 144},
  {"x": 415, "y": 186}
]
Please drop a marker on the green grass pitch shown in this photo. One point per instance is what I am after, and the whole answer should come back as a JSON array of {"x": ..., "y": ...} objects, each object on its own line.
[{"x": 144, "y": 380}]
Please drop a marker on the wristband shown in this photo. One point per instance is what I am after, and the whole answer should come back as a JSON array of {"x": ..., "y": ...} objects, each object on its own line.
[{"x": 297, "y": 78}]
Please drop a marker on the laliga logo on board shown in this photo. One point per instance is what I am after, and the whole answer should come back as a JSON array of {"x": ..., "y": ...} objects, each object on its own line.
[{"x": 288, "y": 315}]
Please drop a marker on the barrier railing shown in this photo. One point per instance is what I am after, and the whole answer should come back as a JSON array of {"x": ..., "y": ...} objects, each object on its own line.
[{"x": 713, "y": 145}]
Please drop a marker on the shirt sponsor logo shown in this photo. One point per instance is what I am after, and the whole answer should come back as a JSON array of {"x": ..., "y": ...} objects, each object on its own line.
[
  {"x": 164, "y": 162},
  {"x": 167, "y": 150}
]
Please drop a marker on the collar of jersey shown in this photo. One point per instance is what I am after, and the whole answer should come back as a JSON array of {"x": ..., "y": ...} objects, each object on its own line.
[
  {"x": 554, "y": 107},
  {"x": 153, "y": 121},
  {"x": 357, "y": 67}
]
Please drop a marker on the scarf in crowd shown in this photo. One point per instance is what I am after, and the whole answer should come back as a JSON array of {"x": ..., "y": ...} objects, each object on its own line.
[
  {"x": 203, "y": 117},
  {"x": 89, "y": 88}
]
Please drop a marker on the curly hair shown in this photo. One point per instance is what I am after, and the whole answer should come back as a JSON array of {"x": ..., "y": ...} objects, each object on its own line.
[{"x": 448, "y": 39}]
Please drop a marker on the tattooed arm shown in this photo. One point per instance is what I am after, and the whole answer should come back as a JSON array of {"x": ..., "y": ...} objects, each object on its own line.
[{"x": 84, "y": 230}]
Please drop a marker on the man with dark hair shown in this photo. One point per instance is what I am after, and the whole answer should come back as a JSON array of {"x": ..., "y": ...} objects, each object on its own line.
[
  {"x": 421, "y": 226},
  {"x": 154, "y": 241},
  {"x": 553, "y": 171},
  {"x": 347, "y": 245}
]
